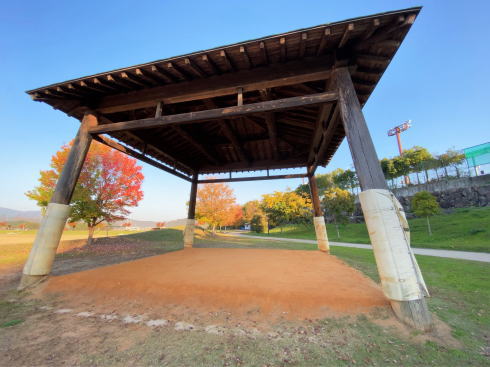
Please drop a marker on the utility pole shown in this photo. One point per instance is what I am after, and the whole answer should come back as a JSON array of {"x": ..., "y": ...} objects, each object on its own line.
[{"x": 397, "y": 130}]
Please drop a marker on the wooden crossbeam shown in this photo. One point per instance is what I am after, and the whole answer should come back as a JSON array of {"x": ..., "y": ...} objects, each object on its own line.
[
  {"x": 291, "y": 73},
  {"x": 163, "y": 74},
  {"x": 226, "y": 60},
  {"x": 123, "y": 149},
  {"x": 252, "y": 178},
  {"x": 218, "y": 113},
  {"x": 282, "y": 45},
  {"x": 173, "y": 68},
  {"x": 272, "y": 131}
]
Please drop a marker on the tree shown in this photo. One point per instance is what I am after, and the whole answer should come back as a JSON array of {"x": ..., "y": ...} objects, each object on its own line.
[
  {"x": 126, "y": 225},
  {"x": 323, "y": 181},
  {"x": 109, "y": 184},
  {"x": 285, "y": 207},
  {"x": 214, "y": 203},
  {"x": 234, "y": 217},
  {"x": 417, "y": 156},
  {"x": 424, "y": 204},
  {"x": 455, "y": 158},
  {"x": 72, "y": 225},
  {"x": 160, "y": 224},
  {"x": 389, "y": 170},
  {"x": 258, "y": 223},
  {"x": 250, "y": 210},
  {"x": 346, "y": 180},
  {"x": 3, "y": 224},
  {"x": 339, "y": 204}
]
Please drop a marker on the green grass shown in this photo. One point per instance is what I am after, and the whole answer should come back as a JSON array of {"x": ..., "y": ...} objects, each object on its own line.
[
  {"x": 465, "y": 229},
  {"x": 460, "y": 297}
]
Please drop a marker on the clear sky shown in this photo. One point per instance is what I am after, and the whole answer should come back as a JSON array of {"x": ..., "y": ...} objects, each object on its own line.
[{"x": 439, "y": 78}]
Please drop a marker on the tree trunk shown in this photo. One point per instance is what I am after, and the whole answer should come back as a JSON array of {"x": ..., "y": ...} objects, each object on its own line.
[
  {"x": 428, "y": 227},
  {"x": 418, "y": 178},
  {"x": 337, "y": 228},
  {"x": 91, "y": 230},
  {"x": 426, "y": 176}
]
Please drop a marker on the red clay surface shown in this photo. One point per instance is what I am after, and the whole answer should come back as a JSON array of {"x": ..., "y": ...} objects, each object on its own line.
[{"x": 294, "y": 284}]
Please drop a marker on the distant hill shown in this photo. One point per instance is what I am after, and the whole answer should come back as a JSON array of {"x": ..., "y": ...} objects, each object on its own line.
[
  {"x": 11, "y": 215},
  {"x": 34, "y": 216}
]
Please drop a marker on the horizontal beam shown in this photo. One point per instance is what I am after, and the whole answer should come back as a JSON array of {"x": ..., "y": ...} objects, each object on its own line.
[
  {"x": 217, "y": 113},
  {"x": 132, "y": 153},
  {"x": 295, "y": 72},
  {"x": 256, "y": 178}
]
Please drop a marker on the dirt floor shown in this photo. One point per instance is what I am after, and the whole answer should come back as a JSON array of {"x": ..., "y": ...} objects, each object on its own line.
[{"x": 265, "y": 283}]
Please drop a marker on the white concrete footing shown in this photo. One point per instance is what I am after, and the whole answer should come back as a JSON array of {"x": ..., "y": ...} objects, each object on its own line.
[
  {"x": 189, "y": 232},
  {"x": 321, "y": 234},
  {"x": 41, "y": 257},
  {"x": 400, "y": 275}
]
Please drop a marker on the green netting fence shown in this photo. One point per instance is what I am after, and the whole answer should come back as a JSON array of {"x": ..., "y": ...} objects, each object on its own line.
[{"x": 478, "y": 155}]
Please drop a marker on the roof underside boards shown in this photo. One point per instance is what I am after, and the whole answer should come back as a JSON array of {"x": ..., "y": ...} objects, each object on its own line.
[{"x": 287, "y": 65}]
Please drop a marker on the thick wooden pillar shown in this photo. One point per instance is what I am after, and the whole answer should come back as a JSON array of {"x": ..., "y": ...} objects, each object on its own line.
[
  {"x": 191, "y": 215},
  {"x": 400, "y": 275},
  {"x": 318, "y": 218},
  {"x": 41, "y": 257}
]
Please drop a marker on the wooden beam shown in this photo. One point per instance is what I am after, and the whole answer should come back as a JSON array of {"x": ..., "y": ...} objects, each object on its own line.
[
  {"x": 147, "y": 77},
  {"x": 226, "y": 60},
  {"x": 231, "y": 136},
  {"x": 111, "y": 79},
  {"x": 264, "y": 53},
  {"x": 245, "y": 57},
  {"x": 307, "y": 70},
  {"x": 191, "y": 212},
  {"x": 362, "y": 148},
  {"x": 272, "y": 131},
  {"x": 184, "y": 134},
  {"x": 282, "y": 45},
  {"x": 371, "y": 30},
  {"x": 174, "y": 69},
  {"x": 163, "y": 74},
  {"x": 144, "y": 143},
  {"x": 323, "y": 41},
  {"x": 73, "y": 166},
  {"x": 132, "y": 79},
  {"x": 218, "y": 113},
  {"x": 346, "y": 35},
  {"x": 194, "y": 67},
  {"x": 327, "y": 137},
  {"x": 302, "y": 44},
  {"x": 212, "y": 65},
  {"x": 253, "y": 178},
  {"x": 132, "y": 153}
]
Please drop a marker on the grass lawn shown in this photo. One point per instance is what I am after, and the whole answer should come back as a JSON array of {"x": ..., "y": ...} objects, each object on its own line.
[
  {"x": 15, "y": 245},
  {"x": 465, "y": 229},
  {"x": 460, "y": 297}
]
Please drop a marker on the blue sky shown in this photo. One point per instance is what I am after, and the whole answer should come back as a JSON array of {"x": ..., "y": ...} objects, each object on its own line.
[{"x": 439, "y": 77}]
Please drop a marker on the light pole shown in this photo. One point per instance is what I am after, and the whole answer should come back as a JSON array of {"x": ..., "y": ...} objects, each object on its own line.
[{"x": 397, "y": 130}]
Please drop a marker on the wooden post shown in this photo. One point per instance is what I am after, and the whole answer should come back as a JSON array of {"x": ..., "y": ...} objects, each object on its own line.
[
  {"x": 41, "y": 257},
  {"x": 191, "y": 214},
  {"x": 318, "y": 218},
  {"x": 400, "y": 276}
]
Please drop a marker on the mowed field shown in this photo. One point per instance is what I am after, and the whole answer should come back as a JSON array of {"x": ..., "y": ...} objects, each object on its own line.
[
  {"x": 15, "y": 245},
  {"x": 47, "y": 332},
  {"x": 466, "y": 229}
]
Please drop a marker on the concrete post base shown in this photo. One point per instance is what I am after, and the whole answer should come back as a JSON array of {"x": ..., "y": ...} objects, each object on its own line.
[
  {"x": 321, "y": 234},
  {"x": 30, "y": 281},
  {"x": 401, "y": 279},
  {"x": 189, "y": 232},
  {"x": 41, "y": 257}
]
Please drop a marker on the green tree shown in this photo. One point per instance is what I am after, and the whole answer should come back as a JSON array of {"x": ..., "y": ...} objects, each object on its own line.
[
  {"x": 258, "y": 223},
  {"x": 346, "y": 180},
  {"x": 250, "y": 210},
  {"x": 389, "y": 170},
  {"x": 339, "y": 204},
  {"x": 455, "y": 158},
  {"x": 284, "y": 207},
  {"x": 424, "y": 204},
  {"x": 416, "y": 157}
]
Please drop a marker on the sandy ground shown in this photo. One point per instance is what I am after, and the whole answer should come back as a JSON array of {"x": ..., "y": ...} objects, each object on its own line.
[{"x": 284, "y": 283}]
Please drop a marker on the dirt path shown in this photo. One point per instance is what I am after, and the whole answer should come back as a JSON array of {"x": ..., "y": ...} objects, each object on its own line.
[{"x": 267, "y": 282}]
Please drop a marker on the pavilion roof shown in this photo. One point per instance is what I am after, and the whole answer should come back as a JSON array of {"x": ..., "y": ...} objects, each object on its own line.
[{"x": 292, "y": 64}]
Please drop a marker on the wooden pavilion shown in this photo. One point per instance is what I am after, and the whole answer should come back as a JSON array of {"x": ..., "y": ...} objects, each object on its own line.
[{"x": 276, "y": 102}]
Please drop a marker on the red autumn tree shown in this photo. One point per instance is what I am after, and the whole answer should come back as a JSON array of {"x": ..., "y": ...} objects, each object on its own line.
[
  {"x": 213, "y": 204},
  {"x": 126, "y": 224},
  {"x": 160, "y": 224},
  {"x": 109, "y": 184}
]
